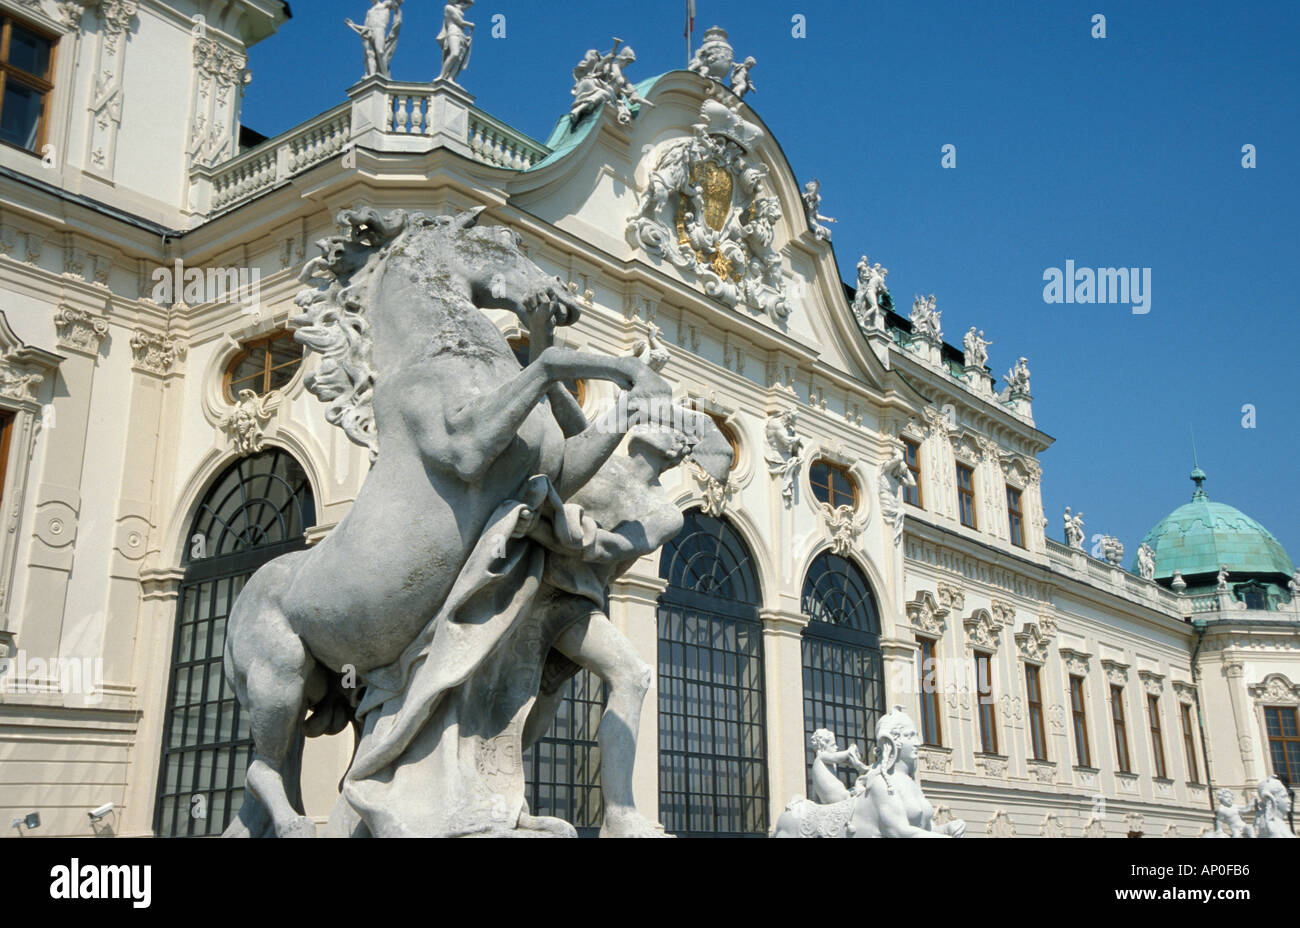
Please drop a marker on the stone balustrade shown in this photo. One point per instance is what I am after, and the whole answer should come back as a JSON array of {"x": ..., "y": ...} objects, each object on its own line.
[{"x": 381, "y": 116}]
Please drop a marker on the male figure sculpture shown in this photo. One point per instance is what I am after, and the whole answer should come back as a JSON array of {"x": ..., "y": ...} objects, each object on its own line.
[{"x": 377, "y": 39}]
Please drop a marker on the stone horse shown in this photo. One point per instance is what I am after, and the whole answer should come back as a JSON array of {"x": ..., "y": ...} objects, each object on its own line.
[
  {"x": 415, "y": 371},
  {"x": 886, "y": 802}
]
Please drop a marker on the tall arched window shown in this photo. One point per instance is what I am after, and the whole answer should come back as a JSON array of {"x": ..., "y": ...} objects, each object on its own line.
[
  {"x": 712, "y": 741},
  {"x": 843, "y": 672},
  {"x": 563, "y": 767},
  {"x": 255, "y": 511}
]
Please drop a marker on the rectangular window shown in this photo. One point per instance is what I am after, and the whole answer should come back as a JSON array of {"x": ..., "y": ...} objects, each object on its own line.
[
  {"x": 929, "y": 688},
  {"x": 1080, "y": 722},
  {"x": 1283, "y": 731},
  {"x": 1037, "y": 733},
  {"x": 966, "y": 495},
  {"x": 1121, "y": 731},
  {"x": 1157, "y": 738},
  {"x": 912, "y": 455},
  {"x": 1189, "y": 745},
  {"x": 26, "y": 68},
  {"x": 987, "y": 706},
  {"x": 1015, "y": 517}
]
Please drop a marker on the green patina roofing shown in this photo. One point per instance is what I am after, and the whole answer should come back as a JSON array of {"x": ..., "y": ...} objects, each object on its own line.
[
  {"x": 1200, "y": 536},
  {"x": 565, "y": 136}
]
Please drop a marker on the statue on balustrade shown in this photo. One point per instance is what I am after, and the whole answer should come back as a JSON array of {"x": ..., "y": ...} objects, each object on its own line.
[
  {"x": 455, "y": 39},
  {"x": 443, "y": 614},
  {"x": 377, "y": 39},
  {"x": 886, "y": 800}
]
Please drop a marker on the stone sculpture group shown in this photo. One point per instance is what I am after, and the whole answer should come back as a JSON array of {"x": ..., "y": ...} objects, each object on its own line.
[
  {"x": 449, "y": 652},
  {"x": 599, "y": 80},
  {"x": 1272, "y": 803},
  {"x": 383, "y": 24},
  {"x": 716, "y": 60}
]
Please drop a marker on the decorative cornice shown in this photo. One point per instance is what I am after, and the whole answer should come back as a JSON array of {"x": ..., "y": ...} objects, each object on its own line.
[
  {"x": 1032, "y": 643},
  {"x": 951, "y": 598},
  {"x": 154, "y": 353},
  {"x": 1276, "y": 689},
  {"x": 1116, "y": 672},
  {"x": 982, "y": 630},
  {"x": 79, "y": 330},
  {"x": 926, "y": 615},
  {"x": 1152, "y": 682},
  {"x": 1076, "y": 662},
  {"x": 1185, "y": 692}
]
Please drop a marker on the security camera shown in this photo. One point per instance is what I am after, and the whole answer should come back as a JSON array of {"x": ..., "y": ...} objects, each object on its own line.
[{"x": 102, "y": 811}]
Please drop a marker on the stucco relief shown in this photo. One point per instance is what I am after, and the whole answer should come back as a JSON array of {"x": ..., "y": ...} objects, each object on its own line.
[
  {"x": 154, "y": 353},
  {"x": 982, "y": 630},
  {"x": 79, "y": 330},
  {"x": 1275, "y": 689},
  {"x": 1000, "y": 826},
  {"x": 117, "y": 17},
  {"x": 926, "y": 615}
]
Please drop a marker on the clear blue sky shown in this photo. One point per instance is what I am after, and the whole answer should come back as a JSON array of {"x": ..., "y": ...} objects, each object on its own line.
[{"x": 1123, "y": 151}]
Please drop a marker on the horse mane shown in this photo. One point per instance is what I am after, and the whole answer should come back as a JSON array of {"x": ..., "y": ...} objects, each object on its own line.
[{"x": 333, "y": 321}]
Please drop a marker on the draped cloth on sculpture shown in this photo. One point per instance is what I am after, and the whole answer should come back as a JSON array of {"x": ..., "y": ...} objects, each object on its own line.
[{"x": 440, "y": 753}]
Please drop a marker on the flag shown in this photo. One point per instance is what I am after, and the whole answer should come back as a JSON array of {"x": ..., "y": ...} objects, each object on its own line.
[{"x": 690, "y": 18}]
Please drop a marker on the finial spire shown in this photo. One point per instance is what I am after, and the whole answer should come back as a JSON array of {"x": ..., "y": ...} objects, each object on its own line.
[{"x": 1198, "y": 475}]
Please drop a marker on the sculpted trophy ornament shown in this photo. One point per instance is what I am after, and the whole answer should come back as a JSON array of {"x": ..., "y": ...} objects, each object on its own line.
[
  {"x": 1271, "y": 810},
  {"x": 598, "y": 80},
  {"x": 1112, "y": 550},
  {"x": 455, "y": 39},
  {"x": 1074, "y": 530},
  {"x": 812, "y": 204},
  {"x": 869, "y": 301},
  {"x": 706, "y": 209},
  {"x": 977, "y": 349},
  {"x": 1018, "y": 380},
  {"x": 1228, "y": 821},
  {"x": 885, "y": 802},
  {"x": 1146, "y": 561},
  {"x": 784, "y": 451},
  {"x": 377, "y": 39},
  {"x": 445, "y": 635}
]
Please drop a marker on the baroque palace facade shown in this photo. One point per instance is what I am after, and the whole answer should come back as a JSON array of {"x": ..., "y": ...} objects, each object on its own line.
[{"x": 884, "y": 545}]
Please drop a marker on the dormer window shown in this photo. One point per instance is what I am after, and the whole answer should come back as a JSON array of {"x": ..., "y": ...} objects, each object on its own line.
[{"x": 26, "y": 71}]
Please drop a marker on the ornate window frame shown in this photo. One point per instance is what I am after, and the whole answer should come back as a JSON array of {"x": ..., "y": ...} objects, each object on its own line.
[{"x": 26, "y": 374}]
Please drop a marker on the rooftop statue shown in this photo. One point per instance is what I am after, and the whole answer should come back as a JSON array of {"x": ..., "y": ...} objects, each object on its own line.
[
  {"x": 377, "y": 39},
  {"x": 598, "y": 79},
  {"x": 1112, "y": 550},
  {"x": 468, "y": 579},
  {"x": 1146, "y": 561},
  {"x": 455, "y": 39},
  {"x": 1221, "y": 581},
  {"x": 812, "y": 204},
  {"x": 1018, "y": 379},
  {"x": 885, "y": 802},
  {"x": 868, "y": 307},
  {"x": 926, "y": 320},
  {"x": 716, "y": 60},
  {"x": 1228, "y": 821},
  {"x": 977, "y": 348},
  {"x": 1271, "y": 809},
  {"x": 1074, "y": 529}
]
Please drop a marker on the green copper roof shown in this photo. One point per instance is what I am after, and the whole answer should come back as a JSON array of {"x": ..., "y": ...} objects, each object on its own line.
[{"x": 1198, "y": 537}]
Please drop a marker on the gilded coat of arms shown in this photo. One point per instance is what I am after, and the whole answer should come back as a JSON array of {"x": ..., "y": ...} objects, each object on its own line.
[{"x": 706, "y": 209}]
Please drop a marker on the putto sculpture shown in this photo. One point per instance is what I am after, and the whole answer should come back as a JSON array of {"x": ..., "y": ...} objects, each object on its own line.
[
  {"x": 598, "y": 80},
  {"x": 784, "y": 451},
  {"x": 1146, "y": 561},
  {"x": 812, "y": 204},
  {"x": 870, "y": 297},
  {"x": 489, "y": 527},
  {"x": 706, "y": 209},
  {"x": 377, "y": 39},
  {"x": 976, "y": 349},
  {"x": 1074, "y": 529},
  {"x": 1228, "y": 821},
  {"x": 885, "y": 802},
  {"x": 1221, "y": 580},
  {"x": 455, "y": 39}
]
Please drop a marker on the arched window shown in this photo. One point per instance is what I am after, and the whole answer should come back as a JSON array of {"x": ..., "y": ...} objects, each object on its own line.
[
  {"x": 256, "y": 510},
  {"x": 712, "y": 740},
  {"x": 843, "y": 672},
  {"x": 563, "y": 767}
]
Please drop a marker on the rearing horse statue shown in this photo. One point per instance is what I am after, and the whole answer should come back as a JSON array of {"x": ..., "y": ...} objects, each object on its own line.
[{"x": 415, "y": 371}]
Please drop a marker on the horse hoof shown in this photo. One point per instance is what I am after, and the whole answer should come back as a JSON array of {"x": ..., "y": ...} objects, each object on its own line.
[{"x": 300, "y": 827}]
